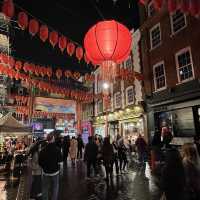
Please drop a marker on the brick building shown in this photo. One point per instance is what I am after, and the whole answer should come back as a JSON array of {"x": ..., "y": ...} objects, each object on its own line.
[
  {"x": 124, "y": 115},
  {"x": 171, "y": 67}
]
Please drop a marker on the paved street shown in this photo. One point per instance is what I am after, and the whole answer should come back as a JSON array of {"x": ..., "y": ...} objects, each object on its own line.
[{"x": 134, "y": 185}]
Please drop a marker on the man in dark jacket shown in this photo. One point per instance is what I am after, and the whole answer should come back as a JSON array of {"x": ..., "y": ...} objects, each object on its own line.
[
  {"x": 49, "y": 159},
  {"x": 91, "y": 151},
  {"x": 80, "y": 147}
]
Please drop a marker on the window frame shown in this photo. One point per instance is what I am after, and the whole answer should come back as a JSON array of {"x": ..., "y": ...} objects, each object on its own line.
[
  {"x": 129, "y": 103},
  {"x": 115, "y": 102},
  {"x": 150, "y": 34},
  {"x": 171, "y": 23},
  {"x": 177, "y": 64},
  {"x": 148, "y": 9},
  {"x": 154, "y": 76}
]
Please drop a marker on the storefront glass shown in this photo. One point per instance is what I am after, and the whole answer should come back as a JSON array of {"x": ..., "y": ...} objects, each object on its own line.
[{"x": 100, "y": 130}]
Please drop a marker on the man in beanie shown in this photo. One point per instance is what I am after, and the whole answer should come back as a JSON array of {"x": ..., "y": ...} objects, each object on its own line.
[{"x": 49, "y": 159}]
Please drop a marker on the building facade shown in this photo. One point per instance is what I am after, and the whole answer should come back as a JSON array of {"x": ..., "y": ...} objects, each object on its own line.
[
  {"x": 171, "y": 69},
  {"x": 124, "y": 114}
]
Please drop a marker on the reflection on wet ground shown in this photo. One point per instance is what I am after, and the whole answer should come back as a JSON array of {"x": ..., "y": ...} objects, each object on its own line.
[{"x": 137, "y": 184}]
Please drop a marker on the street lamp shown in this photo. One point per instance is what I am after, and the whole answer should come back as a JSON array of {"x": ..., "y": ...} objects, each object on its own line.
[{"x": 105, "y": 85}]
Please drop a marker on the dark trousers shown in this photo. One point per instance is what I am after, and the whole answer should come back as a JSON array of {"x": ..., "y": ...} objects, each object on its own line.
[
  {"x": 36, "y": 186},
  {"x": 122, "y": 163},
  {"x": 79, "y": 153},
  {"x": 109, "y": 168},
  {"x": 91, "y": 163},
  {"x": 116, "y": 165}
]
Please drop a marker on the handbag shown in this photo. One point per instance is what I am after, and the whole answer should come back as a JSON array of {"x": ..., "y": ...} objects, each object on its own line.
[{"x": 163, "y": 196}]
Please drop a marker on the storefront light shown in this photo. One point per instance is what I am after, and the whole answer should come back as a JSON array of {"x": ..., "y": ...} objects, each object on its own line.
[
  {"x": 128, "y": 110},
  {"x": 120, "y": 112},
  {"x": 140, "y": 120}
]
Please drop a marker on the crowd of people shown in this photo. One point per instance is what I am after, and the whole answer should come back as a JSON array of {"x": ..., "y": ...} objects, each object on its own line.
[{"x": 179, "y": 178}]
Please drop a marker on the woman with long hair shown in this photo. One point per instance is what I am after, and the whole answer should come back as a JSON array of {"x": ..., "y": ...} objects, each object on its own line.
[
  {"x": 173, "y": 176},
  {"x": 191, "y": 163}
]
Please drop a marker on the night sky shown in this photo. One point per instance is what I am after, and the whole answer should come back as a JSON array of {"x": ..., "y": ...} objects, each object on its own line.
[{"x": 72, "y": 18}]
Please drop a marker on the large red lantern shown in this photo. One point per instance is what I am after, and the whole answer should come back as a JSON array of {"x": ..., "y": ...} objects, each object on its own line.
[
  {"x": 70, "y": 48},
  {"x": 53, "y": 38},
  {"x": 8, "y": 8},
  {"x": 62, "y": 43},
  {"x": 33, "y": 27},
  {"x": 107, "y": 41},
  {"x": 44, "y": 33},
  {"x": 79, "y": 53},
  {"x": 22, "y": 20}
]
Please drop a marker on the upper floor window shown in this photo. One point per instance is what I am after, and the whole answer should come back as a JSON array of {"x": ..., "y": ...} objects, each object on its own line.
[
  {"x": 118, "y": 100},
  {"x": 178, "y": 21},
  {"x": 100, "y": 106},
  {"x": 151, "y": 9},
  {"x": 155, "y": 36},
  {"x": 129, "y": 95},
  {"x": 184, "y": 65},
  {"x": 159, "y": 76}
]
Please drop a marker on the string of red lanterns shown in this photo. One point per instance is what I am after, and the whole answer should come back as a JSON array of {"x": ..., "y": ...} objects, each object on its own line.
[
  {"x": 191, "y": 7},
  {"x": 34, "y": 28}
]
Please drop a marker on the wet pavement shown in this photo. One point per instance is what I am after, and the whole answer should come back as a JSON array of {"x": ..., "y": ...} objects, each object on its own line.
[{"x": 136, "y": 184}]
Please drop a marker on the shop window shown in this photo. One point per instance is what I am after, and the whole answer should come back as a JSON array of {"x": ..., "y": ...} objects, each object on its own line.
[
  {"x": 159, "y": 76},
  {"x": 129, "y": 95},
  {"x": 99, "y": 106},
  {"x": 184, "y": 65},
  {"x": 151, "y": 9},
  {"x": 178, "y": 21},
  {"x": 118, "y": 100},
  {"x": 155, "y": 36}
]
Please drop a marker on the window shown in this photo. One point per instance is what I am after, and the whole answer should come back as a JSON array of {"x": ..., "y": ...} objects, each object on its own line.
[
  {"x": 129, "y": 95},
  {"x": 178, "y": 21},
  {"x": 184, "y": 65},
  {"x": 151, "y": 9},
  {"x": 155, "y": 36},
  {"x": 118, "y": 100},
  {"x": 159, "y": 76},
  {"x": 100, "y": 106}
]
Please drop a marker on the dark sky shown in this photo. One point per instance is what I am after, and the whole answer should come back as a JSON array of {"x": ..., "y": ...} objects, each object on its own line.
[{"x": 72, "y": 18}]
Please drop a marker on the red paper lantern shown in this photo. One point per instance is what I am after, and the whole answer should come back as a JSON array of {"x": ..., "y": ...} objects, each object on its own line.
[
  {"x": 11, "y": 62},
  {"x": 158, "y": 4},
  {"x": 22, "y": 20},
  {"x": 4, "y": 58},
  {"x": 79, "y": 53},
  {"x": 18, "y": 65},
  {"x": 49, "y": 72},
  {"x": 107, "y": 41},
  {"x": 44, "y": 33},
  {"x": 62, "y": 43},
  {"x": 33, "y": 27},
  {"x": 172, "y": 6},
  {"x": 53, "y": 38},
  {"x": 70, "y": 48},
  {"x": 8, "y": 8},
  {"x": 68, "y": 73}
]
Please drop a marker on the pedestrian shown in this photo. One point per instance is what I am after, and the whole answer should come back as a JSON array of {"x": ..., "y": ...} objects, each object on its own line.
[
  {"x": 73, "y": 150},
  {"x": 191, "y": 163},
  {"x": 173, "y": 176},
  {"x": 141, "y": 146},
  {"x": 108, "y": 157},
  {"x": 122, "y": 154},
  {"x": 90, "y": 156},
  {"x": 49, "y": 159},
  {"x": 66, "y": 145},
  {"x": 80, "y": 147},
  {"x": 116, "y": 158},
  {"x": 36, "y": 170}
]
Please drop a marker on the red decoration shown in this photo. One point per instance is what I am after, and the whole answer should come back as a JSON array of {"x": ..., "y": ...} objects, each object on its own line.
[
  {"x": 184, "y": 5},
  {"x": 58, "y": 73},
  {"x": 158, "y": 4},
  {"x": 79, "y": 53},
  {"x": 86, "y": 59},
  {"x": 62, "y": 43},
  {"x": 70, "y": 48},
  {"x": 44, "y": 33},
  {"x": 53, "y": 38},
  {"x": 33, "y": 27},
  {"x": 8, "y": 8},
  {"x": 18, "y": 65},
  {"x": 22, "y": 20},
  {"x": 11, "y": 62},
  {"x": 108, "y": 40},
  {"x": 68, "y": 73},
  {"x": 172, "y": 6},
  {"x": 194, "y": 7}
]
